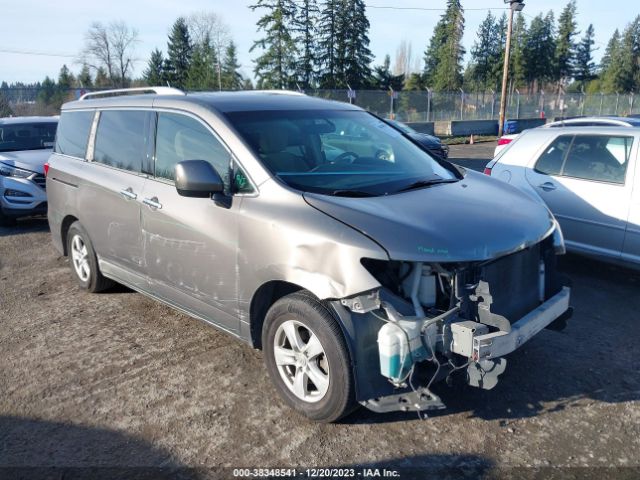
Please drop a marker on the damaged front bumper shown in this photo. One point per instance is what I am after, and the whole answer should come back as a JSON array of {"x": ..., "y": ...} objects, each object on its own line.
[
  {"x": 478, "y": 314},
  {"x": 498, "y": 344}
]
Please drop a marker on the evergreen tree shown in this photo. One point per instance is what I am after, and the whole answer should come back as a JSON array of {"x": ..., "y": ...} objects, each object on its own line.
[
  {"x": 328, "y": 33},
  {"x": 102, "y": 78},
  {"x": 623, "y": 73},
  {"x": 539, "y": 50},
  {"x": 203, "y": 67},
  {"x": 84, "y": 78},
  {"x": 275, "y": 68},
  {"x": 154, "y": 74},
  {"x": 47, "y": 91},
  {"x": 305, "y": 27},
  {"x": 517, "y": 59},
  {"x": 584, "y": 66},
  {"x": 5, "y": 107},
  {"x": 443, "y": 58},
  {"x": 179, "y": 52},
  {"x": 66, "y": 80},
  {"x": 612, "y": 47},
  {"x": 357, "y": 59},
  {"x": 415, "y": 81},
  {"x": 484, "y": 54},
  {"x": 383, "y": 78},
  {"x": 565, "y": 45},
  {"x": 231, "y": 77}
]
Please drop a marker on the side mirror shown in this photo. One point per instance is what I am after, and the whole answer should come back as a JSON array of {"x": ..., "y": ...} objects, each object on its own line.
[{"x": 197, "y": 178}]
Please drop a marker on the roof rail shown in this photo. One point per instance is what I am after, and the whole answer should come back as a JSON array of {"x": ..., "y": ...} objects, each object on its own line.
[
  {"x": 282, "y": 92},
  {"x": 130, "y": 91}
]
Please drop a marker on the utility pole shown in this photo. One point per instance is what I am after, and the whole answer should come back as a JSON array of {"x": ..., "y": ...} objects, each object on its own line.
[{"x": 514, "y": 5}]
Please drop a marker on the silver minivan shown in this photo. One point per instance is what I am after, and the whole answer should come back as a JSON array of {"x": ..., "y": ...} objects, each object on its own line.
[{"x": 364, "y": 268}]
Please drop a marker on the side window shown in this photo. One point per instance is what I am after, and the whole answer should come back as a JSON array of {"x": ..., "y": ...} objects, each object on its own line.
[
  {"x": 73, "y": 133},
  {"x": 550, "y": 162},
  {"x": 179, "y": 138},
  {"x": 121, "y": 139},
  {"x": 599, "y": 157}
]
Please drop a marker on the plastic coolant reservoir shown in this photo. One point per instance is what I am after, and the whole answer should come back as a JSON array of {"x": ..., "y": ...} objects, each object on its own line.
[{"x": 399, "y": 344}]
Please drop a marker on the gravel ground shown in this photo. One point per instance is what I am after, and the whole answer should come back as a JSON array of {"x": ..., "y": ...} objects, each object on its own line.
[{"x": 118, "y": 380}]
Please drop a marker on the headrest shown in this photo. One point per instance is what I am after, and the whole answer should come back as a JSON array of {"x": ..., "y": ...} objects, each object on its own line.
[{"x": 274, "y": 139}]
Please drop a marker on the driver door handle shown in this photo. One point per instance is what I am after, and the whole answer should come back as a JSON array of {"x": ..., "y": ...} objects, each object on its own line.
[
  {"x": 128, "y": 193},
  {"x": 152, "y": 202},
  {"x": 547, "y": 186}
]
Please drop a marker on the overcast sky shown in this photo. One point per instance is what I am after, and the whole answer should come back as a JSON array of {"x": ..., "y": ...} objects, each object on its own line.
[{"x": 59, "y": 27}]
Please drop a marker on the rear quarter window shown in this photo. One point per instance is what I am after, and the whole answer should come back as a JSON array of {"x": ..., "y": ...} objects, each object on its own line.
[{"x": 73, "y": 133}]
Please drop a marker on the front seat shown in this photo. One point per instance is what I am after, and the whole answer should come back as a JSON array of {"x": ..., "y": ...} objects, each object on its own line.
[{"x": 273, "y": 143}]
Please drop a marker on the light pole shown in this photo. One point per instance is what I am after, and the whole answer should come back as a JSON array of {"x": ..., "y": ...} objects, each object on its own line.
[{"x": 517, "y": 6}]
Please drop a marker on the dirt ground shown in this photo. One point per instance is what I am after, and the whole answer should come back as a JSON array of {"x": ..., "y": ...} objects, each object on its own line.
[{"x": 118, "y": 380}]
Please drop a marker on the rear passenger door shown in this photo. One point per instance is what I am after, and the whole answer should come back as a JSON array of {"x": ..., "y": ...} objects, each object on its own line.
[
  {"x": 111, "y": 197},
  {"x": 190, "y": 243},
  {"x": 586, "y": 182}
]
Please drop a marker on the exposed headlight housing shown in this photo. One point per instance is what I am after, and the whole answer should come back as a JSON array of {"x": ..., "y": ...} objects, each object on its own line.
[{"x": 11, "y": 171}]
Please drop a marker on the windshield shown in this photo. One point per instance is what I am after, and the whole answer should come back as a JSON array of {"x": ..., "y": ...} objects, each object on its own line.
[
  {"x": 337, "y": 152},
  {"x": 27, "y": 136}
]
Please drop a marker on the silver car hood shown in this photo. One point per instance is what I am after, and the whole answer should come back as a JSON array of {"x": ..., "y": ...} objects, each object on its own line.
[
  {"x": 33, "y": 160},
  {"x": 475, "y": 219}
]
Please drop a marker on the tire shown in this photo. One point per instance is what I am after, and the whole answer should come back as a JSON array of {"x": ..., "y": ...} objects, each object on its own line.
[
  {"x": 320, "y": 385},
  {"x": 83, "y": 261},
  {"x": 6, "y": 221}
]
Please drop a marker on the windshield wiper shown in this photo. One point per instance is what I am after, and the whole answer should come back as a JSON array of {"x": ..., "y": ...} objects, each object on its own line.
[
  {"x": 352, "y": 193},
  {"x": 427, "y": 183}
]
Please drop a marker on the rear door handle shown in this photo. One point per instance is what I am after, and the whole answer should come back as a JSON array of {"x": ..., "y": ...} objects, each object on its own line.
[
  {"x": 547, "y": 186},
  {"x": 128, "y": 193},
  {"x": 152, "y": 202}
]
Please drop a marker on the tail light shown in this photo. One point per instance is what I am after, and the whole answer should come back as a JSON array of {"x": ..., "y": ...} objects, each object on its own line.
[
  {"x": 504, "y": 141},
  {"x": 487, "y": 171},
  {"x": 46, "y": 168}
]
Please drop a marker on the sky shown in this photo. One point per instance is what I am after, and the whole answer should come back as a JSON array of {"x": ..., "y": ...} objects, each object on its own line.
[{"x": 48, "y": 28}]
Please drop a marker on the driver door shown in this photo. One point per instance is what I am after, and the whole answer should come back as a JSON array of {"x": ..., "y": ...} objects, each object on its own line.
[{"x": 190, "y": 244}]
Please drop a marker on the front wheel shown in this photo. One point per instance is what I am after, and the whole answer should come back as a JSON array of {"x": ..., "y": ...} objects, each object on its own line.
[
  {"x": 84, "y": 263},
  {"x": 307, "y": 358}
]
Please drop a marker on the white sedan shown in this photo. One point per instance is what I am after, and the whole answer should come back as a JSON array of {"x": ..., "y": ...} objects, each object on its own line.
[{"x": 586, "y": 176}]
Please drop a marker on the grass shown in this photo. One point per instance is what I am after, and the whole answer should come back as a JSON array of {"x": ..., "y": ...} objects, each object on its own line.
[{"x": 465, "y": 140}]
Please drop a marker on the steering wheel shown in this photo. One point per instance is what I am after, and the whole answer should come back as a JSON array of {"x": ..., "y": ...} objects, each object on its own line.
[{"x": 342, "y": 158}]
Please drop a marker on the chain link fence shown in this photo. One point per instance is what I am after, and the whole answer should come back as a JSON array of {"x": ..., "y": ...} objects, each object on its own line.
[{"x": 406, "y": 106}]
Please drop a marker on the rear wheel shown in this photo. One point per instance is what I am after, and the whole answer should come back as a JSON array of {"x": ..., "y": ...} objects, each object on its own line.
[
  {"x": 307, "y": 358},
  {"x": 84, "y": 263}
]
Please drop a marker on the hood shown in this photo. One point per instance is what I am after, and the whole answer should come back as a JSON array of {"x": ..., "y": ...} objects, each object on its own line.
[
  {"x": 33, "y": 160},
  {"x": 427, "y": 140},
  {"x": 475, "y": 219}
]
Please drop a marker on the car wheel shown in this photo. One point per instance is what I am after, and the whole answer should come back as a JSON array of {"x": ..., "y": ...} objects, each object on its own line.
[
  {"x": 6, "y": 221},
  {"x": 307, "y": 358},
  {"x": 84, "y": 263}
]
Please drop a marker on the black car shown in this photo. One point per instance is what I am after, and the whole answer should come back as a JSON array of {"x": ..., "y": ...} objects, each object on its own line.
[{"x": 432, "y": 144}]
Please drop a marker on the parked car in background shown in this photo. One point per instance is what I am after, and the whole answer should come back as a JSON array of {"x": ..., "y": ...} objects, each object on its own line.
[
  {"x": 588, "y": 177},
  {"x": 429, "y": 142},
  {"x": 25, "y": 146},
  {"x": 364, "y": 268},
  {"x": 630, "y": 121}
]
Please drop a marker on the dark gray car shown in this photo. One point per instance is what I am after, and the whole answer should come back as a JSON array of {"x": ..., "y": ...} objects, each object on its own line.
[{"x": 364, "y": 268}]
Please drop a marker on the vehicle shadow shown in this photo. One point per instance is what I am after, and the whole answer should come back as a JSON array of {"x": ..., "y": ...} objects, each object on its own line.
[
  {"x": 594, "y": 359},
  {"x": 43, "y": 450},
  {"x": 26, "y": 225}
]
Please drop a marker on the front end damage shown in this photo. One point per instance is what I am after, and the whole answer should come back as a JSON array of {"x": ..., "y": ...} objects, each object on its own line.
[{"x": 429, "y": 321}]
